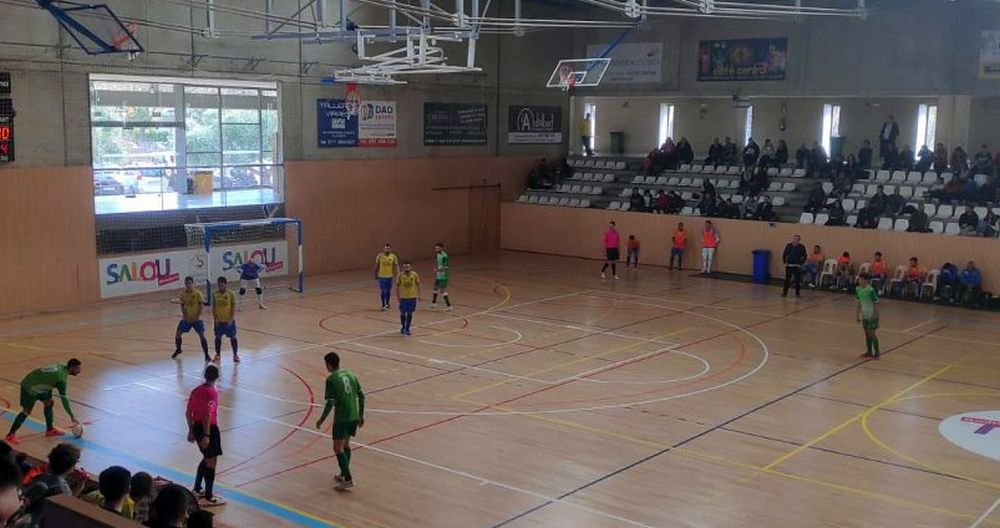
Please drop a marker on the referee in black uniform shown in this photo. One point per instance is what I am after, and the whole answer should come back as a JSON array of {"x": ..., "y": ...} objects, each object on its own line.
[{"x": 793, "y": 257}]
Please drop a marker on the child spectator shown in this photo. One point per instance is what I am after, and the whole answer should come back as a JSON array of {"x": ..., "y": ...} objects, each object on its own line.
[
  {"x": 678, "y": 241},
  {"x": 112, "y": 493},
  {"x": 914, "y": 277},
  {"x": 169, "y": 508},
  {"x": 632, "y": 252},
  {"x": 140, "y": 496},
  {"x": 200, "y": 519},
  {"x": 843, "y": 272},
  {"x": 811, "y": 268},
  {"x": 878, "y": 272},
  {"x": 62, "y": 461},
  {"x": 10, "y": 478}
]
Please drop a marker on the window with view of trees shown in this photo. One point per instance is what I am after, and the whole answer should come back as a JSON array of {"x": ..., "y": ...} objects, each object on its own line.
[{"x": 176, "y": 143}]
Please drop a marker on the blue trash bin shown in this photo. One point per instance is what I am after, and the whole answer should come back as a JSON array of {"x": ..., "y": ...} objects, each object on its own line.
[{"x": 761, "y": 265}]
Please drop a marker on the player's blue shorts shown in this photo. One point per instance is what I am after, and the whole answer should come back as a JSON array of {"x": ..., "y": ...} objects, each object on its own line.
[
  {"x": 385, "y": 284},
  {"x": 184, "y": 327},
  {"x": 676, "y": 251},
  {"x": 226, "y": 329},
  {"x": 407, "y": 305}
]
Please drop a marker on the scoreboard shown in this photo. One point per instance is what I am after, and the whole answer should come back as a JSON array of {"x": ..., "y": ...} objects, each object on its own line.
[{"x": 6, "y": 120}]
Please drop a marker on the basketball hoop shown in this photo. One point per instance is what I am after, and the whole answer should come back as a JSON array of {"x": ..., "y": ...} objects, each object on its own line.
[
  {"x": 126, "y": 36},
  {"x": 352, "y": 100},
  {"x": 566, "y": 78}
]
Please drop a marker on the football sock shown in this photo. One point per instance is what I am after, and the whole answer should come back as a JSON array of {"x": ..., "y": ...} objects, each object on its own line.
[
  {"x": 218, "y": 345},
  {"x": 345, "y": 470},
  {"x": 177, "y": 341},
  {"x": 347, "y": 451},
  {"x": 50, "y": 417},
  {"x": 209, "y": 481},
  {"x": 199, "y": 476},
  {"x": 434, "y": 298},
  {"x": 21, "y": 417},
  {"x": 236, "y": 345},
  {"x": 447, "y": 301},
  {"x": 875, "y": 345},
  {"x": 204, "y": 345}
]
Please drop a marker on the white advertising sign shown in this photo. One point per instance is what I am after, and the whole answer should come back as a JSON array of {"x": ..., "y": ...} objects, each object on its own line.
[
  {"x": 640, "y": 62},
  {"x": 377, "y": 124}
]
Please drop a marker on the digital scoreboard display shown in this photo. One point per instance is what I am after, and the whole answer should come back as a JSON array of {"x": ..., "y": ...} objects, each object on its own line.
[{"x": 6, "y": 139}]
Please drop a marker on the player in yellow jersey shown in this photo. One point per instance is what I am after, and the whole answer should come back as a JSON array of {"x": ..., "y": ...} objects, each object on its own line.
[
  {"x": 386, "y": 267},
  {"x": 407, "y": 293},
  {"x": 224, "y": 312},
  {"x": 192, "y": 302}
]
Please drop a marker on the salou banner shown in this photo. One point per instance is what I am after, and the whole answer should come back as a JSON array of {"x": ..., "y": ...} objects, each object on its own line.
[
  {"x": 639, "y": 62},
  {"x": 534, "y": 125},
  {"x": 152, "y": 272},
  {"x": 758, "y": 59},
  {"x": 351, "y": 122},
  {"x": 989, "y": 54}
]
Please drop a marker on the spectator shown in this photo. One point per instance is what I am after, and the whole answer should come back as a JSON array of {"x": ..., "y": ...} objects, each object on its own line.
[
  {"x": 819, "y": 159},
  {"x": 968, "y": 223},
  {"x": 878, "y": 272},
  {"x": 894, "y": 203},
  {"x": 887, "y": 135},
  {"x": 728, "y": 152},
  {"x": 732, "y": 210},
  {"x": 632, "y": 252},
  {"x": 918, "y": 222},
  {"x": 114, "y": 484},
  {"x": 200, "y": 519},
  {"x": 867, "y": 219},
  {"x": 661, "y": 203},
  {"x": 970, "y": 285},
  {"x": 169, "y": 508},
  {"x": 767, "y": 154},
  {"x": 925, "y": 158},
  {"x": 988, "y": 225},
  {"x": 794, "y": 258},
  {"x": 10, "y": 478},
  {"x": 837, "y": 214},
  {"x": 781, "y": 153},
  {"x": 685, "y": 154},
  {"x": 749, "y": 206},
  {"x": 674, "y": 203},
  {"x": 709, "y": 243},
  {"x": 817, "y": 199},
  {"x": 647, "y": 201},
  {"x": 959, "y": 161},
  {"x": 890, "y": 157},
  {"x": 636, "y": 202},
  {"x": 983, "y": 162},
  {"x": 843, "y": 271},
  {"x": 947, "y": 282},
  {"x": 952, "y": 190},
  {"x": 708, "y": 188},
  {"x": 62, "y": 461},
  {"x": 906, "y": 159},
  {"x": 940, "y": 158},
  {"x": 812, "y": 266},
  {"x": 802, "y": 157},
  {"x": 706, "y": 206},
  {"x": 865, "y": 155},
  {"x": 677, "y": 243},
  {"x": 586, "y": 131},
  {"x": 140, "y": 495},
  {"x": 914, "y": 277},
  {"x": 765, "y": 210},
  {"x": 715, "y": 153}
]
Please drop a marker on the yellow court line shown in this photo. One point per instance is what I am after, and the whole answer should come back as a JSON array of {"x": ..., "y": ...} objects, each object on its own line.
[
  {"x": 460, "y": 395},
  {"x": 784, "y": 458}
]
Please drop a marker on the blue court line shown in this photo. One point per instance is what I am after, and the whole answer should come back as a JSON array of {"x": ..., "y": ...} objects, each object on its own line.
[{"x": 271, "y": 508}]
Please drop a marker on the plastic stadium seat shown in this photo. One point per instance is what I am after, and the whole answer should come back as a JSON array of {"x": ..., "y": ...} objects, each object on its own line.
[
  {"x": 587, "y": 176},
  {"x": 696, "y": 168},
  {"x": 738, "y": 199},
  {"x": 563, "y": 202},
  {"x": 734, "y": 171},
  {"x": 772, "y": 172},
  {"x": 788, "y": 187},
  {"x": 827, "y": 187},
  {"x": 882, "y": 176},
  {"x": 575, "y": 202},
  {"x": 523, "y": 198},
  {"x": 936, "y": 227},
  {"x": 685, "y": 182},
  {"x": 901, "y": 224},
  {"x": 930, "y": 177},
  {"x": 650, "y": 180},
  {"x": 821, "y": 219},
  {"x": 951, "y": 228},
  {"x": 585, "y": 203},
  {"x": 614, "y": 206},
  {"x": 608, "y": 178},
  {"x": 726, "y": 196},
  {"x": 565, "y": 188},
  {"x": 898, "y": 176},
  {"x": 583, "y": 190},
  {"x": 852, "y": 219},
  {"x": 687, "y": 211},
  {"x": 721, "y": 170},
  {"x": 980, "y": 179},
  {"x": 674, "y": 180},
  {"x": 661, "y": 180},
  {"x": 930, "y": 210},
  {"x": 885, "y": 223},
  {"x": 913, "y": 177},
  {"x": 697, "y": 182},
  {"x": 860, "y": 204},
  {"x": 872, "y": 189},
  {"x": 638, "y": 178},
  {"x": 906, "y": 192},
  {"x": 889, "y": 189},
  {"x": 858, "y": 189},
  {"x": 848, "y": 205},
  {"x": 575, "y": 189},
  {"x": 544, "y": 200},
  {"x": 947, "y": 176},
  {"x": 945, "y": 211},
  {"x": 959, "y": 211},
  {"x": 785, "y": 172},
  {"x": 620, "y": 165},
  {"x": 799, "y": 173},
  {"x": 589, "y": 163},
  {"x": 806, "y": 218},
  {"x": 686, "y": 195},
  {"x": 919, "y": 192},
  {"x": 778, "y": 201},
  {"x": 685, "y": 167},
  {"x": 981, "y": 212},
  {"x": 597, "y": 190},
  {"x": 532, "y": 199},
  {"x": 711, "y": 170}
]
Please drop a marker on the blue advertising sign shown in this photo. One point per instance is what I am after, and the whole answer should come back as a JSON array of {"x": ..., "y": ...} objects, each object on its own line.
[
  {"x": 758, "y": 59},
  {"x": 335, "y": 126}
]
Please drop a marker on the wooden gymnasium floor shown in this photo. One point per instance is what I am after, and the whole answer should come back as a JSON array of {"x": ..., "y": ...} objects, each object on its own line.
[{"x": 550, "y": 398}]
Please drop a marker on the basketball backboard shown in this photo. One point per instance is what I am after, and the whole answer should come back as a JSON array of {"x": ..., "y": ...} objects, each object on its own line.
[{"x": 575, "y": 73}]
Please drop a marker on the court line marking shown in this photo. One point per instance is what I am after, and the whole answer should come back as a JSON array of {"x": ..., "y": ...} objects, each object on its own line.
[
  {"x": 914, "y": 327},
  {"x": 517, "y": 339},
  {"x": 985, "y": 514}
]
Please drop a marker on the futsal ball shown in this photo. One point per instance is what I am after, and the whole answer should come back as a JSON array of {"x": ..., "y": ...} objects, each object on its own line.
[{"x": 78, "y": 430}]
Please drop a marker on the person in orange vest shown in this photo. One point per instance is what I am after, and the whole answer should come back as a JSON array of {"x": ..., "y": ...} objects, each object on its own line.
[
  {"x": 709, "y": 243},
  {"x": 679, "y": 240}
]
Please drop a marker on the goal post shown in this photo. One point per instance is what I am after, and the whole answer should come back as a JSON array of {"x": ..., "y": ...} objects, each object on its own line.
[{"x": 220, "y": 248}]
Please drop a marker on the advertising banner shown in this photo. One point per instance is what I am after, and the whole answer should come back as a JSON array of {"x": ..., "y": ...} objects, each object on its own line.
[
  {"x": 639, "y": 62},
  {"x": 759, "y": 59},
  {"x": 351, "y": 122},
  {"x": 534, "y": 125},
  {"x": 989, "y": 54},
  {"x": 451, "y": 124}
]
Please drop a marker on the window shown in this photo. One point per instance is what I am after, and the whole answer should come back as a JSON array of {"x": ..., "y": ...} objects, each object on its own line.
[
  {"x": 926, "y": 126},
  {"x": 166, "y": 143},
  {"x": 748, "y": 125},
  {"x": 831, "y": 126},
  {"x": 592, "y": 110},
  {"x": 666, "y": 123}
]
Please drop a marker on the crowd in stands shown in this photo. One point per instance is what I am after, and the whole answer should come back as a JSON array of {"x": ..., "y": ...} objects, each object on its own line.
[{"x": 155, "y": 503}]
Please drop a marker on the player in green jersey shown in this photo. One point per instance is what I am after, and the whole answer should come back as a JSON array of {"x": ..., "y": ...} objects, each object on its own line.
[
  {"x": 38, "y": 386},
  {"x": 867, "y": 315},
  {"x": 441, "y": 276},
  {"x": 344, "y": 393}
]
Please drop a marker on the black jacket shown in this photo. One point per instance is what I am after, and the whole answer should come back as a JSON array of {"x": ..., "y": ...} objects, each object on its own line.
[{"x": 794, "y": 255}]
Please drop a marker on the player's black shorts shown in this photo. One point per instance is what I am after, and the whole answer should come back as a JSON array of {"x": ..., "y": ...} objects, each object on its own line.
[
  {"x": 611, "y": 254},
  {"x": 214, "y": 448}
]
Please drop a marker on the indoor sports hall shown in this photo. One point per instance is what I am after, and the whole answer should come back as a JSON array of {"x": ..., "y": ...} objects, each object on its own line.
[{"x": 538, "y": 263}]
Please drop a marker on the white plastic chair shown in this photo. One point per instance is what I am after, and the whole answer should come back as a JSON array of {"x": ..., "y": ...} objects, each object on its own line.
[
  {"x": 848, "y": 205},
  {"x": 945, "y": 211},
  {"x": 829, "y": 268},
  {"x": 930, "y": 178},
  {"x": 952, "y": 229},
  {"x": 821, "y": 219},
  {"x": 685, "y": 167},
  {"x": 898, "y": 176},
  {"x": 522, "y": 199},
  {"x": 919, "y": 192},
  {"x": 827, "y": 187},
  {"x": 936, "y": 227},
  {"x": 906, "y": 192},
  {"x": 885, "y": 224},
  {"x": 897, "y": 277},
  {"x": 533, "y": 199},
  {"x": 902, "y": 224},
  {"x": 882, "y": 176},
  {"x": 785, "y": 172},
  {"x": 788, "y": 187},
  {"x": 852, "y": 220},
  {"x": 778, "y": 201},
  {"x": 913, "y": 177},
  {"x": 930, "y": 282},
  {"x": 773, "y": 171},
  {"x": 959, "y": 211},
  {"x": 930, "y": 209},
  {"x": 799, "y": 173}
]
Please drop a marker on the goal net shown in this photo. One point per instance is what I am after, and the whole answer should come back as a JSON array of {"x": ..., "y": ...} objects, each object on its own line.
[{"x": 221, "y": 248}]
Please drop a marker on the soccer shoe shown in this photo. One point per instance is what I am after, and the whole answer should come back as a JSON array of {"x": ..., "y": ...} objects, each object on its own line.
[
  {"x": 407, "y": 331},
  {"x": 55, "y": 431},
  {"x": 876, "y": 357},
  {"x": 447, "y": 308},
  {"x": 433, "y": 306},
  {"x": 385, "y": 307},
  {"x": 236, "y": 358},
  {"x": 261, "y": 306},
  {"x": 175, "y": 354},
  {"x": 206, "y": 502},
  {"x": 866, "y": 355},
  {"x": 603, "y": 276},
  {"x": 402, "y": 331},
  {"x": 343, "y": 485},
  {"x": 12, "y": 439},
  {"x": 617, "y": 277},
  {"x": 239, "y": 308}
]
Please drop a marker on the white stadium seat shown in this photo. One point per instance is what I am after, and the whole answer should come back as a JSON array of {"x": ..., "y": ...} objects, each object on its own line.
[
  {"x": 799, "y": 173},
  {"x": 981, "y": 212},
  {"x": 785, "y": 172},
  {"x": 674, "y": 180},
  {"x": 930, "y": 177},
  {"x": 575, "y": 202},
  {"x": 685, "y": 167},
  {"x": 522, "y": 199},
  {"x": 806, "y": 218},
  {"x": 936, "y": 226},
  {"x": 614, "y": 206},
  {"x": 885, "y": 223},
  {"x": 906, "y": 192},
  {"x": 945, "y": 211},
  {"x": 532, "y": 199},
  {"x": 734, "y": 170},
  {"x": 821, "y": 219},
  {"x": 773, "y": 171},
  {"x": 930, "y": 209},
  {"x": 959, "y": 211},
  {"x": 662, "y": 180},
  {"x": 852, "y": 219},
  {"x": 913, "y": 177},
  {"x": 882, "y": 176},
  {"x": 901, "y": 224},
  {"x": 788, "y": 187},
  {"x": 778, "y": 201},
  {"x": 848, "y": 205},
  {"x": 827, "y": 187},
  {"x": 951, "y": 228},
  {"x": 898, "y": 176}
]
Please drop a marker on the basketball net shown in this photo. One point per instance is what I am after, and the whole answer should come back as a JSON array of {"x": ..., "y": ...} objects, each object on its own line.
[
  {"x": 124, "y": 37},
  {"x": 566, "y": 78},
  {"x": 352, "y": 100}
]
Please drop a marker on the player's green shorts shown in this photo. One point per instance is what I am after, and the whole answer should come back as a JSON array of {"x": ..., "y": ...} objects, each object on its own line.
[
  {"x": 345, "y": 429},
  {"x": 28, "y": 399},
  {"x": 870, "y": 324},
  {"x": 440, "y": 283}
]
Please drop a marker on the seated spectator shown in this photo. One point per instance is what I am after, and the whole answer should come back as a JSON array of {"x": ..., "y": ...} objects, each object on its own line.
[
  {"x": 959, "y": 161},
  {"x": 112, "y": 493},
  {"x": 647, "y": 201},
  {"x": 865, "y": 155},
  {"x": 767, "y": 154},
  {"x": 968, "y": 190},
  {"x": 988, "y": 225},
  {"x": 728, "y": 152},
  {"x": 140, "y": 496},
  {"x": 749, "y": 206},
  {"x": 706, "y": 206},
  {"x": 765, "y": 210},
  {"x": 648, "y": 163},
  {"x": 940, "y": 158},
  {"x": 878, "y": 203},
  {"x": 62, "y": 461},
  {"x": 817, "y": 199},
  {"x": 906, "y": 159},
  {"x": 674, "y": 203},
  {"x": 867, "y": 219},
  {"x": 802, "y": 157},
  {"x": 819, "y": 160},
  {"x": 947, "y": 282},
  {"x": 837, "y": 214},
  {"x": 708, "y": 188},
  {"x": 781, "y": 153},
  {"x": 538, "y": 178},
  {"x": 169, "y": 508},
  {"x": 10, "y": 480},
  {"x": 878, "y": 271},
  {"x": 970, "y": 282},
  {"x": 843, "y": 272},
  {"x": 918, "y": 222},
  {"x": 914, "y": 278},
  {"x": 925, "y": 158},
  {"x": 636, "y": 202},
  {"x": 952, "y": 190},
  {"x": 685, "y": 154},
  {"x": 811, "y": 268},
  {"x": 200, "y": 519},
  {"x": 890, "y": 156},
  {"x": 983, "y": 162},
  {"x": 968, "y": 223},
  {"x": 714, "y": 153},
  {"x": 732, "y": 210},
  {"x": 661, "y": 202},
  {"x": 894, "y": 203}
]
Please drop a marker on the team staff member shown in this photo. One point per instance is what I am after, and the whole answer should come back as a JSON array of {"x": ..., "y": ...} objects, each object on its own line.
[
  {"x": 793, "y": 257},
  {"x": 709, "y": 243}
]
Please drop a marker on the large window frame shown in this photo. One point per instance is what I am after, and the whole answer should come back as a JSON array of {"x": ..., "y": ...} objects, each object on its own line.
[
  {"x": 156, "y": 140},
  {"x": 666, "y": 128},
  {"x": 926, "y": 126},
  {"x": 831, "y": 127}
]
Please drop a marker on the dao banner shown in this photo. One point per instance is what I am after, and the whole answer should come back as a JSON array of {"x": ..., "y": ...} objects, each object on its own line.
[
  {"x": 639, "y": 62},
  {"x": 152, "y": 272},
  {"x": 454, "y": 124},
  {"x": 534, "y": 125},
  {"x": 377, "y": 124},
  {"x": 761, "y": 59},
  {"x": 989, "y": 54}
]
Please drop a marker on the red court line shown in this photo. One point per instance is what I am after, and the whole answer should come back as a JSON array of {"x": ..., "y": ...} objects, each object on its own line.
[{"x": 284, "y": 438}]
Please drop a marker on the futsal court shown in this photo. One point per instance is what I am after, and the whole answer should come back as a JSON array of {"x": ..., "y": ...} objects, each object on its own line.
[{"x": 549, "y": 397}]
